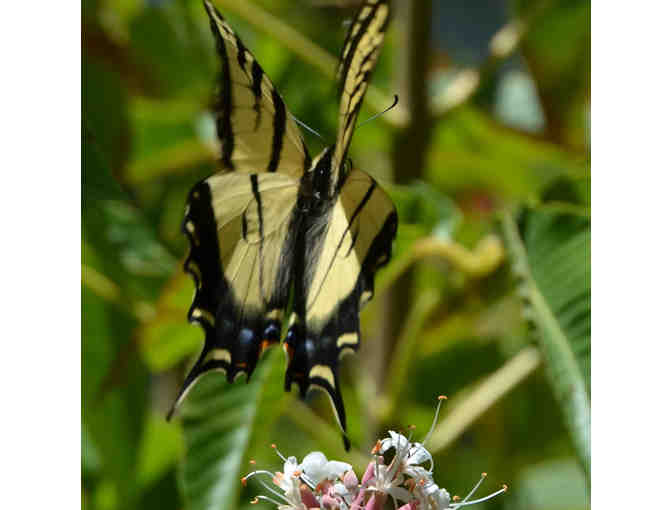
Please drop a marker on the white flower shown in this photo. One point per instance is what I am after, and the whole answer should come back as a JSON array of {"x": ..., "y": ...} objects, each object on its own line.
[
  {"x": 290, "y": 483},
  {"x": 408, "y": 456},
  {"x": 331, "y": 485},
  {"x": 428, "y": 494},
  {"x": 385, "y": 479},
  {"x": 316, "y": 468}
]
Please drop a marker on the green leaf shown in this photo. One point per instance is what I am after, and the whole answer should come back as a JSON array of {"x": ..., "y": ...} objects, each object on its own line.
[
  {"x": 473, "y": 152},
  {"x": 160, "y": 449},
  {"x": 550, "y": 252},
  {"x": 105, "y": 112},
  {"x": 171, "y": 136},
  {"x": 217, "y": 420},
  {"x": 114, "y": 394},
  {"x": 128, "y": 251},
  {"x": 166, "y": 38},
  {"x": 168, "y": 338},
  {"x": 422, "y": 204},
  {"x": 557, "y": 484}
]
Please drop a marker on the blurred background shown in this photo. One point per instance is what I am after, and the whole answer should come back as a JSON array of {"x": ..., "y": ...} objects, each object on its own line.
[{"x": 486, "y": 299}]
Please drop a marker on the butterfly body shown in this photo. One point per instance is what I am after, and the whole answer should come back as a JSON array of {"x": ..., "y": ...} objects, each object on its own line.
[{"x": 276, "y": 236}]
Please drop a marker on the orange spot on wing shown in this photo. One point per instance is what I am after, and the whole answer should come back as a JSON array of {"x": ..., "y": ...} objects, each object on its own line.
[
  {"x": 288, "y": 350},
  {"x": 265, "y": 344}
]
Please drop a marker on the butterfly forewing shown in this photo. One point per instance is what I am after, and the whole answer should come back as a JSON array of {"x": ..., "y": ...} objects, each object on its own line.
[
  {"x": 255, "y": 129},
  {"x": 358, "y": 58}
]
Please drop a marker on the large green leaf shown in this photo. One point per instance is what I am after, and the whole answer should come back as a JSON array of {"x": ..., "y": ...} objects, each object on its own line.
[
  {"x": 217, "y": 419},
  {"x": 550, "y": 251},
  {"x": 114, "y": 396}
]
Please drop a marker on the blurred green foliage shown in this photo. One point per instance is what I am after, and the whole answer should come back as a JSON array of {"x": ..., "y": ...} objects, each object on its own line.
[{"x": 493, "y": 246}]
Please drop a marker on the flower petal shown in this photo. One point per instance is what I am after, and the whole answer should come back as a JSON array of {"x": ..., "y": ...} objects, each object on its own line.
[
  {"x": 290, "y": 467},
  {"x": 418, "y": 454},
  {"x": 334, "y": 469},
  {"x": 317, "y": 468},
  {"x": 350, "y": 480},
  {"x": 399, "y": 493},
  {"x": 396, "y": 441},
  {"x": 418, "y": 473}
]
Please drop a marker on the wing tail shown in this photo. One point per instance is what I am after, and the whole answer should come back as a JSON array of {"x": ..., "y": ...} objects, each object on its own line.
[{"x": 313, "y": 364}]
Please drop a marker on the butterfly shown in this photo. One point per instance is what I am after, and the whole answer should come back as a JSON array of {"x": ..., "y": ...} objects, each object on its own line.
[{"x": 277, "y": 236}]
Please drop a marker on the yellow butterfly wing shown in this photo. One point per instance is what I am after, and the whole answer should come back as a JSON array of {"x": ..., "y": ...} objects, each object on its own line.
[
  {"x": 358, "y": 58},
  {"x": 255, "y": 129},
  {"x": 241, "y": 239},
  {"x": 355, "y": 240}
]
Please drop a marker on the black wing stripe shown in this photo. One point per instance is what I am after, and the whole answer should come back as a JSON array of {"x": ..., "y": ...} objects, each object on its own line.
[
  {"x": 354, "y": 242},
  {"x": 257, "y": 75},
  {"x": 350, "y": 50},
  {"x": 362, "y": 81},
  {"x": 224, "y": 99},
  {"x": 241, "y": 53},
  {"x": 307, "y": 161},
  {"x": 279, "y": 125},
  {"x": 257, "y": 198}
]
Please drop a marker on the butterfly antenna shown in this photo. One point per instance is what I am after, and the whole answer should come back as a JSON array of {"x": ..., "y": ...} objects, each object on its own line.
[
  {"x": 396, "y": 100},
  {"x": 307, "y": 127}
]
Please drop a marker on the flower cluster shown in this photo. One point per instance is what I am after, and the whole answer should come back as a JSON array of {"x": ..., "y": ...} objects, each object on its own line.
[{"x": 320, "y": 484}]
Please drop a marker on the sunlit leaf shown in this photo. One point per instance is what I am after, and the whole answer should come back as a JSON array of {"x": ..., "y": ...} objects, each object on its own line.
[
  {"x": 551, "y": 258},
  {"x": 217, "y": 418}
]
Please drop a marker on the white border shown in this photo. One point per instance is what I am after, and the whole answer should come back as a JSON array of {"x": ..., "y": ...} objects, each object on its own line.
[
  {"x": 631, "y": 255},
  {"x": 41, "y": 195}
]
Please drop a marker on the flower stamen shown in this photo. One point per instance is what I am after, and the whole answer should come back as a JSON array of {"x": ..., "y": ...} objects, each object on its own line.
[
  {"x": 266, "y": 498},
  {"x": 273, "y": 445},
  {"x": 436, "y": 418},
  {"x": 478, "y": 484},
  {"x": 481, "y": 500},
  {"x": 466, "y": 501}
]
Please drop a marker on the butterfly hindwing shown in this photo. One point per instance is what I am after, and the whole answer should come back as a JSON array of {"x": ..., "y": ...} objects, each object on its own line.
[
  {"x": 241, "y": 238},
  {"x": 350, "y": 244},
  {"x": 255, "y": 129}
]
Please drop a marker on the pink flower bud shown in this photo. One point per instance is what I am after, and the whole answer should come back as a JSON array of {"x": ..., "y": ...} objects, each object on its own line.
[
  {"x": 308, "y": 498},
  {"x": 350, "y": 480}
]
